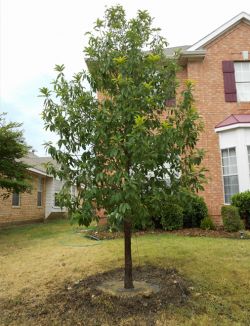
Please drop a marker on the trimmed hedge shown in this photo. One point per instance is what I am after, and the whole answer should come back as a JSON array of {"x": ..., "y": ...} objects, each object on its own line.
[
  {"x": 231, "y": 218},
  {"x": 242, "y": 201},
  {"x": 207, "y": 223},
  {"x": 194, "y": 210},
  {"x": 173, "y": 217},
  {"x": 170, "y": 212}
]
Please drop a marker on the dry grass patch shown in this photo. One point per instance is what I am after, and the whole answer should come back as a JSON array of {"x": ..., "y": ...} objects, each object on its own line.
[{"x": 38, "y": 262}]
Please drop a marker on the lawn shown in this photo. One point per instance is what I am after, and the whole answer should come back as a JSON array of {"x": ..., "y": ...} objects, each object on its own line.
[{"x": 37, "y": 261}]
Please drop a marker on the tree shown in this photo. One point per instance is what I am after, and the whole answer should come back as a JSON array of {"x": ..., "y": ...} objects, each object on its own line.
[
  {"x": 13, "y": 172},
  {"x": 118, "y": 148}
]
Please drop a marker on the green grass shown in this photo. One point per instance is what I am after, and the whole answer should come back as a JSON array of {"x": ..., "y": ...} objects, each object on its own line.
[{"x": 37, "y": 259}]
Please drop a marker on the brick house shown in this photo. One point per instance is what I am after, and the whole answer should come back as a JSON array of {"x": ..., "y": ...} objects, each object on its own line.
[
  {"x": 38, "y": 205},
  {"x": 219, "y": 65}
]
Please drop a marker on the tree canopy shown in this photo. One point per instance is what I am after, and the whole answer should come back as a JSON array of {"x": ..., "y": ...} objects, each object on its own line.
[
  {"x": 123, "y": 148},
  {"x": 13, "y": 172}
]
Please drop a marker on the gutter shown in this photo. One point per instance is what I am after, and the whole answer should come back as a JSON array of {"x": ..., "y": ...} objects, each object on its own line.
[{"x": 38, "y": 172}]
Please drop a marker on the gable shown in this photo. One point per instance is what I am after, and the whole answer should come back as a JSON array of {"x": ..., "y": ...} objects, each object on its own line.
[
  {"x": 236, "y": 39},
  {"x": 225, "y": 28}
]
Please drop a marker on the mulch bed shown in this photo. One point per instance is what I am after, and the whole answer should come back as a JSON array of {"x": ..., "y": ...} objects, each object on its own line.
[
  {"x": 192, "y": 232},
  {"x": 82, "y": 303}
]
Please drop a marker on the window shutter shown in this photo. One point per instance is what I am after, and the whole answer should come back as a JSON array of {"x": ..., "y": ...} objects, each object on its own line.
[
  {"x": 171, "y": 102},
  {"x": 229, "y": 81}
]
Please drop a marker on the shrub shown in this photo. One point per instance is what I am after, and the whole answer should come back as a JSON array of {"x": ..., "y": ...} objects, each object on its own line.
[
  {"x": 231, "y": 218},
  {"x": 242, "y": 201},
  {"x": 172, "y": 219},
  {"x": 207, "y": 223},
  {"x": 144, "y": 224},
  {"x": 194, "y": 210}
]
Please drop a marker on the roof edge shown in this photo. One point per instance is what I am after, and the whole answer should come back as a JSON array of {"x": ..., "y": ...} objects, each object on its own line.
[
  {"x": 220, "y": 30},
  {"x": 31, "y": 169},
  {"x": 232, "y": 126}
]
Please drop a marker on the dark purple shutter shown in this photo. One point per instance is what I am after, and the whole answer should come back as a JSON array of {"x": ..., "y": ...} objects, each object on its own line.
[
  {"x": 229, "y": 81},
  {"x": 171, "y": 102}
]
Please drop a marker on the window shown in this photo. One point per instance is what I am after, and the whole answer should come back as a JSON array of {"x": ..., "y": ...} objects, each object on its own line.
[
  {"x": 236, "y": 76},
  {"x": 39, "y": 191},
  {"x": 56, "y": 200},
  {"x": 16, "y": 199},
  {"x": 230, "y": 173},
  {"x": 242, "y": 79},
  {"x": 248, "y": 152}
]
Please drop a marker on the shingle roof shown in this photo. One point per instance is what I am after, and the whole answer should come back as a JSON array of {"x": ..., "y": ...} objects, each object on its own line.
[
  {"x": 36, "y": 162},
  {"x": 169, "y": 52},
  {"x": 234, "y": 119}
]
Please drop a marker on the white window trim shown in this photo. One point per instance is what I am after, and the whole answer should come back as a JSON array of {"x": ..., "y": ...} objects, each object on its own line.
[
  {"x": 55, "y": 206},
  {"x": 223, "y": 182},
  {"x": 241, "y": 82},
  {"x": 248, "y": 156},
  {"x": 238, "y": 138}
]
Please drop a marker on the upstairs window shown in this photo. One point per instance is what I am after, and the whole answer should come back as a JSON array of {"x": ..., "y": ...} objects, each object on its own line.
[
  {"x": 236, "y": 77},
  {"x": 242, "y": 79},
  {"x": 39, "y": 191},
  {"x": 16, "y": 199},
  {"x": 230, "y": 173}
]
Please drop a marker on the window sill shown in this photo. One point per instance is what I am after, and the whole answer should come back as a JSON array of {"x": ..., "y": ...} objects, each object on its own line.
[{"x": 16, "y": 207}]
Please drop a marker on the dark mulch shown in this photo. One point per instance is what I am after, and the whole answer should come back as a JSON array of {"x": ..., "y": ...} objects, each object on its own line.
[
  {"x": 103, "y": 234},
  {"x": 82, "y": 303}
]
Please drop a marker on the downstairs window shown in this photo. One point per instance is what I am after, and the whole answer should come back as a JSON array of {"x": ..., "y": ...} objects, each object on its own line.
[{"x": 230, "y": 173}]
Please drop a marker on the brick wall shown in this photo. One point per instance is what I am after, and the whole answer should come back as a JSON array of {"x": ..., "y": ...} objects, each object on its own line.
[
  {"x": 209, "y": 96},
  {"x": 28, "y": 210}
]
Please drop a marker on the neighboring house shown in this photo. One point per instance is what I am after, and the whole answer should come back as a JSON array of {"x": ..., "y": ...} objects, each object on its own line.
[
  {"x": 38, "y": 205},
  {"x": 219, "y": 65}
]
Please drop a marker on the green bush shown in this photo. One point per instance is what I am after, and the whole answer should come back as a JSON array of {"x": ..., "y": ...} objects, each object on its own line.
[
  {"x": 169, "y": 212},
  {"x": 143, "y": 224},
  {"x": 194, "y": 210},
  {"x": 172, "y": 219},
  {"x": 242, "y": 201},
  {"x": 207, "y": 223},
  {"x": 231, "y": 218}
]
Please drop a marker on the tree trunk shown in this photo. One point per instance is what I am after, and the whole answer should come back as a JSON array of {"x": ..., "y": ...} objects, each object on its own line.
[{"x": 128, "y": 279}]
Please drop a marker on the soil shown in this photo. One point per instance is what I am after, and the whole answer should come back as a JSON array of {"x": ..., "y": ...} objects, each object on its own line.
[
  {"x": 192, "y": 232},
  {"x": 83, "y": 303}
]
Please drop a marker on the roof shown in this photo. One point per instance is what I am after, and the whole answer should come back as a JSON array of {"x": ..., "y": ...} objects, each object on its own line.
[
  {"x": 169, "y": 52},
  {"x": 243, "y": 16},
  {"x": 196, "y": 50},
  {"x": 36, "y": 163},
  {"x": 234, "y": 119}
]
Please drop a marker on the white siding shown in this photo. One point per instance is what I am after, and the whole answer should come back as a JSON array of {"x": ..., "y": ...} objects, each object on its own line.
[
  {"x": 52, "y": 186},
  {"x": 49, "y": 196},
  {"x": 240, "y": 139}
]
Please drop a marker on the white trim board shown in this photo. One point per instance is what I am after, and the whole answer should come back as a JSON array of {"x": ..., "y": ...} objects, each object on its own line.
[
  {"x": 38, "y": 172},
  {"x": 220, "y": 30},
  {"x": 233, "y": 126}
]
